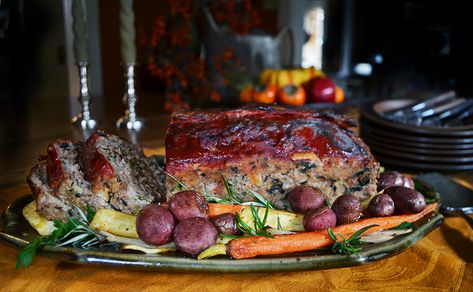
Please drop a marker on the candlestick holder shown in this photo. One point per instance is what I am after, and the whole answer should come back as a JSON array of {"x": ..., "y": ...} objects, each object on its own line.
[
  {"x": 130, "y": 121},
  {"x": 83, "y": 119}
]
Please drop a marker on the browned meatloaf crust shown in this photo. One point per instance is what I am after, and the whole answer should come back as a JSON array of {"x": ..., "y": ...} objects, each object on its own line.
[{"x": 269, "y": 150}]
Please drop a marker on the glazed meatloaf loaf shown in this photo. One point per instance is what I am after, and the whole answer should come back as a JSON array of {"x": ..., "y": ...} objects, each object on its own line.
[
  {"x": 270, "y": 151},
  {"x": 104, "y": 172}
]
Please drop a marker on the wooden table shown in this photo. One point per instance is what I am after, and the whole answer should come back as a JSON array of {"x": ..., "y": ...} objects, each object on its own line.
[{"x": 442, "y": 261}]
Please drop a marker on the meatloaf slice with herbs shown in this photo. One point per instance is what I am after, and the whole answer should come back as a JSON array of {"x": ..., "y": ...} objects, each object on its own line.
[
  {"x": 269, "y": 150},
  {"x": 120, "y": 173},
  {"x": 65, "y": 172},
  {"x": 49, "y": 205}
]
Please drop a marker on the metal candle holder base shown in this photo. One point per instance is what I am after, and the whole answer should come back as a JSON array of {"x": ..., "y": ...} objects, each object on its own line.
[
  {"x": 79, "y": 120},
  {"x": 83, "y": 119},
  {"x": 130, "y": 121}
]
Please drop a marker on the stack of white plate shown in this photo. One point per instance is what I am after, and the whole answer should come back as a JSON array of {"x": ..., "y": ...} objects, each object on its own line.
[{"x": 415, "y": 147}]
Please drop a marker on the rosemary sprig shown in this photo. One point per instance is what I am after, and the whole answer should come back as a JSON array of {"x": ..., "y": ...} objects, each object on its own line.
[
  {"x": 90, "y": 214},
  {"x": 179, "y": 185},
  {"x": 234, "y": 197},
  {"x": 404, "y": 225},
  {"x": 75, "y": 232},
  {"x": 261, "y": 201},
  {"x": 260, "y": 228},
  {"x": 279, "y": 224},
  {"x": 347, "y": 246},
  {"x": 229, "y": 188},
  {"x": 430, "y": 194},
  {"x": 229, "y": 236}
]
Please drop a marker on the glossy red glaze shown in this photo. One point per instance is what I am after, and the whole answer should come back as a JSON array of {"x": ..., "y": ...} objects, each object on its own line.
[
  {"x": 214, "y": 138},
  {"x": 97, "y": 165},
  {"x": 53, "y": 167}
]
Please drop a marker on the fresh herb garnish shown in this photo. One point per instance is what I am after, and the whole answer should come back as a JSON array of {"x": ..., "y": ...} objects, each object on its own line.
[
  {"x": 90, "y": 214},
  {"x": 260, "y": 228},
  {"x": 431, "y": 196},
  {"x": 404, "y": 225},
  {"x": 279, "y": 226},
  {"x": 179, "y": 185},
  {"x": 230, "y": 236},
  {"x": 262, "y": 201},
  {"x": 347, "y": 246},
  {"x": 234, "y": 197},
  {"x": 231, "y": 193},
  {"x": 75, "y": 232}
]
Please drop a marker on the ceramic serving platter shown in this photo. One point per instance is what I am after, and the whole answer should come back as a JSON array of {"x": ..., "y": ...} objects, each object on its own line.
[{"x": 15, "y": 230}]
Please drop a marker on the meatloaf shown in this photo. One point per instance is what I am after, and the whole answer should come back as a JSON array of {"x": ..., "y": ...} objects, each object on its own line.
[
  {"x": 120, "y": 173},
  {"x": 65, "y": 174},
  {"x": 49, "y": 205},
  {"x": 270, "y": 151},
  {"x": 104, "y": 172}
]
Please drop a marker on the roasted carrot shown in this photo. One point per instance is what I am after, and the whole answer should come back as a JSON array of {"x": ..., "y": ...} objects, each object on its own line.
[
  {"x": 248, "y": 247},
  {"x": 216, "y": 209}
]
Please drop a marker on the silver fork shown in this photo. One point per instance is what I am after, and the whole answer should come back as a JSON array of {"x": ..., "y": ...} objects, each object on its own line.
[
  {"x": 420, "y": 105},
  {"x": 445, "y": 112},
  {"x": 432, "y": 111}
]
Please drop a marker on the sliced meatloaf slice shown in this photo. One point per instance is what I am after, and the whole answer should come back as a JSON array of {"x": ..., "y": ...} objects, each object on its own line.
[
  {"x": 269, "y": 150},
  {"x": 66, "y": 175},
  {"x": 120, "y": 173},
  {"x": 50, "y": 206}
]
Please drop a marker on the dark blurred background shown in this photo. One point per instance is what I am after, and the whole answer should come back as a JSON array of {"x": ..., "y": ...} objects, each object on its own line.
[
  {"x": 413, "y": 46},
  {"x": 382, "y": 49}
]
